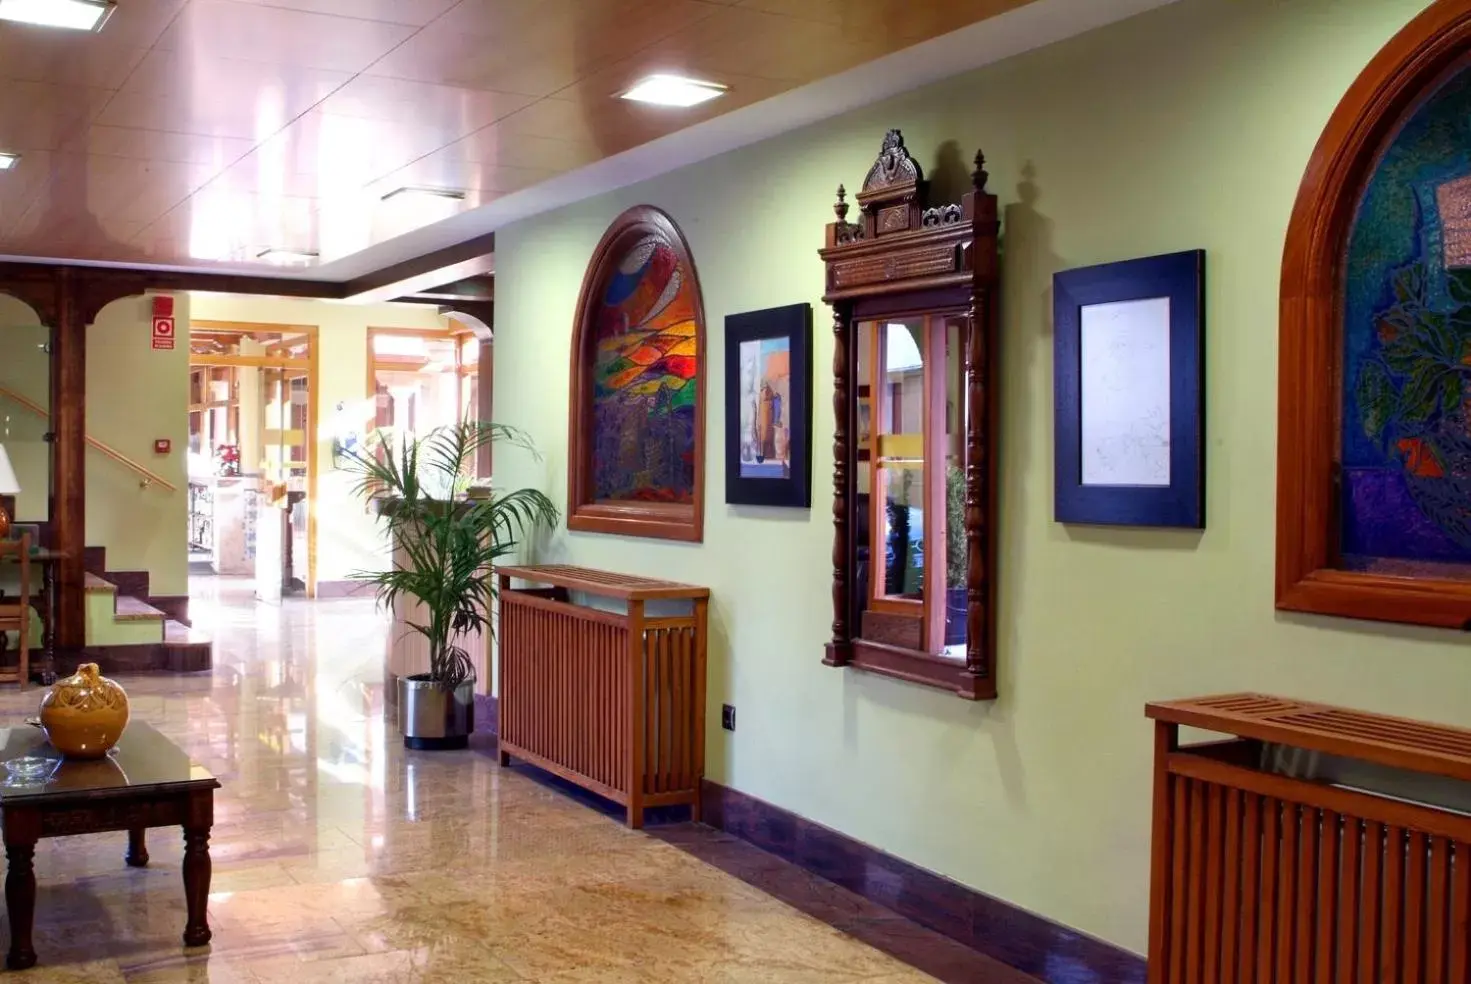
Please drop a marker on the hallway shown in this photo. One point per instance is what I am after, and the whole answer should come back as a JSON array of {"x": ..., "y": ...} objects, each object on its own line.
[{"x": 340, "y": 857}]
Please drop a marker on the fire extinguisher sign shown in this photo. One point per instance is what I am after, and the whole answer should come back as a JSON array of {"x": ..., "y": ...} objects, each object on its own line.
[
  {"x": 163, "y": 322},
  {"x": 163, "y": 333}
]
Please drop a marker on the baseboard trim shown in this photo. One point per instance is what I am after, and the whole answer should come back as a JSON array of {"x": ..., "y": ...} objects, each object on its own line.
[
  {"x": 1021, "y": 939},
  {"x": 486, "y": 714},
  {"x": 343, "y": 589}
]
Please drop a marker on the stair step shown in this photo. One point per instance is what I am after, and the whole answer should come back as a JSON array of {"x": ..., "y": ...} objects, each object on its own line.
[
  {"x": 96, "y": 585},
  {"x": 179, "y": 634},
  {"x": 130, "y": 609}
]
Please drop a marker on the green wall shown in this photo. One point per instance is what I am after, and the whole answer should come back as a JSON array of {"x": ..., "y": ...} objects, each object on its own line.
[
  {"x": 25, "y": 369},
  {"x": 136, "y": 393},
  {"x": 1186, "y": 127}
]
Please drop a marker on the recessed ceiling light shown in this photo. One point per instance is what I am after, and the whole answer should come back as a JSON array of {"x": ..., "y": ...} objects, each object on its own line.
[
  {"x": 673, "y": 90},
  {"x": 454, "y": 194},
  {"x": 277, "y": 254},
  {"x": 77, "y": 15},
  {"x": 8, "y": 161}
]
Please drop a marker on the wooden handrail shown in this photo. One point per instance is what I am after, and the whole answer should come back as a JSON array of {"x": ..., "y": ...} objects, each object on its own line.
[{"x": 146, "y": 477}]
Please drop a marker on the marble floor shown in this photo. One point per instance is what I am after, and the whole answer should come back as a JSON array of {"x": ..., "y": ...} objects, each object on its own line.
[{"x": 339, "y": 856}]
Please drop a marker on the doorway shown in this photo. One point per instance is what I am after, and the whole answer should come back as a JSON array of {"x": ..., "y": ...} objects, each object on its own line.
[{"x": 253, "y": 454}]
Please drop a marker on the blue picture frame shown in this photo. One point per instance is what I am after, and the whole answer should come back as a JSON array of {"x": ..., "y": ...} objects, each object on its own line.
[
  {"x": 1177, "y": 500},
  {"x": 773, "y": 468}
]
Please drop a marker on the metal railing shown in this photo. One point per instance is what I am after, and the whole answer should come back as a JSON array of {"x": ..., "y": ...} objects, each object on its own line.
[{"x": 145, "y": 477}]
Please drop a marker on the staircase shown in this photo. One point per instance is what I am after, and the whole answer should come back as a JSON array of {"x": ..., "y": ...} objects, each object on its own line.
[{"x": 124, "y": 632}]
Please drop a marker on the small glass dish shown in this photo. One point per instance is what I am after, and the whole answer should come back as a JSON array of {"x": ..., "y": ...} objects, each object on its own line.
[{"x": 29, "y": 770}]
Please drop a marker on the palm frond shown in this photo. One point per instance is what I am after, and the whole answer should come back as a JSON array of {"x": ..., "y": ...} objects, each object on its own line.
[{"x": 445, "y": 547}]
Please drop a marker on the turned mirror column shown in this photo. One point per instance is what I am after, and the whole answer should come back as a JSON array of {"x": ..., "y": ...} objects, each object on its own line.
[{"x": 912, "y": 294}]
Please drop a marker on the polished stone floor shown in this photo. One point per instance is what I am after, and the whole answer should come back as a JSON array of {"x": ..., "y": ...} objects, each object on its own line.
[{"x": 339, "y": 856}]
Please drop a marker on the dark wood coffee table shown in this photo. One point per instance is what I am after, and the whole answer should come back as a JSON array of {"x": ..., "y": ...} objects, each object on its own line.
[{"x": 148, "y": 781}]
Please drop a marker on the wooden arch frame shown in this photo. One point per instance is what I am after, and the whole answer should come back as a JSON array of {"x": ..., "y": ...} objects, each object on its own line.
[
  {"x": 901, "y": 259},
  {"x": 668, "y": 521},
  {"x": 1411, "y": 65}
]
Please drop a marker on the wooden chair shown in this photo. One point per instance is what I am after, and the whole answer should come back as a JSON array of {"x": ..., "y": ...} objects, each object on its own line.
[{"x": 15, "y": 614}]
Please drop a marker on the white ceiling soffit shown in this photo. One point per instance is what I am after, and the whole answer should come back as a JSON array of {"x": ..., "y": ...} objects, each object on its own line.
[{"x": 1035, "y": 25}]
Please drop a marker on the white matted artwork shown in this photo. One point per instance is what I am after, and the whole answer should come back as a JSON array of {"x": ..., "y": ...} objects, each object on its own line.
[{"x": 1125, "y": 392}]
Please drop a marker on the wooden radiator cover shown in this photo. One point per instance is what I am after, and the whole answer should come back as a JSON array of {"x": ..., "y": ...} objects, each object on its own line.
[
  {"x": 613, "y": 701},
  {"x": 1260, "y": 878}
]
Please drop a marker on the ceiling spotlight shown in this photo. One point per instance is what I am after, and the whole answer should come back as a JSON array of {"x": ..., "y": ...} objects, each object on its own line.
[
  {"x": 673, "y": 90},
  {"x": 453, "y": 194},
  {"x": 8, "y": 161},
  {"x": 76, "y": 15},
  {"x": 277, "y": 254}
]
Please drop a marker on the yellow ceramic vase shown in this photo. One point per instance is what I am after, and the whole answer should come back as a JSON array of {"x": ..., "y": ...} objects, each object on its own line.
[{"x": 85, "y": 714}]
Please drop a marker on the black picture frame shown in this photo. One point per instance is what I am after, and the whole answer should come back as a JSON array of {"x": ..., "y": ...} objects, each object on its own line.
[
  {"x": 794, "y": 323},
  {"x": 1180, "y": 277}
]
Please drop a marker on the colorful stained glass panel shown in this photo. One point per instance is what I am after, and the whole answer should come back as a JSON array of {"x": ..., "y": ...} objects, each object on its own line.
[
  {"x": 1405, "y": 491},
  {"x": 645, "y": 364}
]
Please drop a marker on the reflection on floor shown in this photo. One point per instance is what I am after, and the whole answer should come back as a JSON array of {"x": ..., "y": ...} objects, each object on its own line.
[{"x": 338, "y": 856}]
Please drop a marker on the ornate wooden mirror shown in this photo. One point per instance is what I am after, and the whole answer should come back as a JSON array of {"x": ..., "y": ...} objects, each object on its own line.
[{"x": 912, "y": 289}]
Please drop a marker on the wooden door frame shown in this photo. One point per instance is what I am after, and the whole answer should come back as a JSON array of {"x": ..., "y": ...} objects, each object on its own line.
[{"x": 312, "y": 365}]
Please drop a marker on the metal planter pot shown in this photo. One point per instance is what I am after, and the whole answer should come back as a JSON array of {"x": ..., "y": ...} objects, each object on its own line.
[{"x": 433, "y": 718}]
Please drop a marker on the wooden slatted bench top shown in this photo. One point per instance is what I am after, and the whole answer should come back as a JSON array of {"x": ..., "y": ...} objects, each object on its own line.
[
  {"x": 628, "y": 587},
  {"x": 1398, "y": 742}
]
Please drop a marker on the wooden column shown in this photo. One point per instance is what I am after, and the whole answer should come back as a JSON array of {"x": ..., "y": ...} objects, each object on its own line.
[
  {"x": 68, "y": 458},
  {"x": 839, "y": 651},
  {"x": 486, "y": 409}
]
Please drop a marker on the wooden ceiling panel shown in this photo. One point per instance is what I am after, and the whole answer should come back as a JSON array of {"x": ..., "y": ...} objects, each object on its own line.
[
  {"x": 217, "y": 97},
  {"x": 772, "y": 47},
  {"x": 227, "y": 29},
  {"x": 536, "y": 47},
  {"x": 231, "y": 227},
  {"x": 332, "y": 155},
  {"x": 415, "y": 13},
  {"x": 19, "y": 189},
  {"x": 39, "y": 56},
  {"x": 473, "y": 177},
  {"x": 496, "y": 145},
  {"x": 160, "y": 145},
  {"x": 43, "y": 115},
  {"x": 196, "y": 131},
  {"x": 881, "y": 19},
  {"x": 452, "y": 111}
]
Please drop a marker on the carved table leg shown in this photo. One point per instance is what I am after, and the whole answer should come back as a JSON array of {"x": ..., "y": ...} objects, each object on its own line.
[
  {"x": 137, "y": 856},
  {"x": 197, "y": 871},
  {"x": 20, "y": 900}
]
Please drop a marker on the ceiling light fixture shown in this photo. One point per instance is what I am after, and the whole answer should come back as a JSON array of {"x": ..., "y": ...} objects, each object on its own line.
[
  {"x": 75, "y": 15},
  {"x": 673, "y": 90},
  {"x": 277, "y": 254},
  {"x": 8, "y": 161},
  {"x": 453, "y": 194}
]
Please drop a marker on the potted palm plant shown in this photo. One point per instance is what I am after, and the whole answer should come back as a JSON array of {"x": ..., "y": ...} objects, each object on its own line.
[{"x": 444, "y": 546}]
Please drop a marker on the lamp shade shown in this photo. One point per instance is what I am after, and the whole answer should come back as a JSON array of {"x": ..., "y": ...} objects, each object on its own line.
[{"x": 8, "y": 483}]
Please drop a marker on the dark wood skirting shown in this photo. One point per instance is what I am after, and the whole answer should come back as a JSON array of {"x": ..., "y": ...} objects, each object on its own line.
[
  {"x": 146, "y": 658},
  {"x": 174, "y": 607},
  {"x": 486, "y": 714},
  {"x": 134, "y": 584},
  {"x": 343, "y": 589},
  {"x": 1015, "y": 937}
]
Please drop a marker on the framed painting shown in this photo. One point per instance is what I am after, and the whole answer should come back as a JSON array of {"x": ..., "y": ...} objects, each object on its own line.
[
  {"x": 1129, "y": 392},
  {"x": 1374, "y": 401},
  {"x": 768, "y": 407},
  {"x": 636, "y": 421}
]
